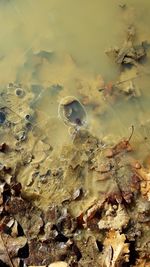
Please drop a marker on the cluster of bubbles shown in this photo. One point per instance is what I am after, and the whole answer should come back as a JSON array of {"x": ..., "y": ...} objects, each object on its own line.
[{"x": 20, "y": 93}]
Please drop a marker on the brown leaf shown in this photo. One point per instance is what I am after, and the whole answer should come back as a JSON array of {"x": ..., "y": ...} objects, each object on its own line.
[
  {"x": 122, "y": 146},
  {"x": 142, "y": 263},
  {"x": 58, "y": 264},
  {"x": 13, "y": 244},
  {"x": 116, "y": 251},
  {"x": 9, "y": 248},
  {"x": 115, "y": 217},
  {"x": 4, "y": 256},
  {"x": 144, "y": 176}
]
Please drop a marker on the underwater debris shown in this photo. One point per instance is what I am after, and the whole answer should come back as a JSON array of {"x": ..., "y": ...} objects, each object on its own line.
[
  {"x": 13, "y": 242},
  {"x": 70, "y": 200},
  {"x": 2, "y": 117},
  {"x": 79, "y": 230},
  {"x": 58, "y": 264},
  {"x": 116, "y": 249},
  {"x": 128, "y": 54},
  {"x": 89, "y": 251},
  {"x": 144, "y": 177},
  {"x": 142, "y": 263},
  {"x": 9, "y": 249},
  {"x": 83, "y": 205},
  {"x": 115, "y": 217}
]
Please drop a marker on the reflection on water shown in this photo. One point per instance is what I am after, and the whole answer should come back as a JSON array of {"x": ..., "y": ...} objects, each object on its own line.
[{"x": 57, "y": 48}]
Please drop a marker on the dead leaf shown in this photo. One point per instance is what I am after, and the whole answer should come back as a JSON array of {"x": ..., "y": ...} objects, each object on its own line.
[
  {"x": 142, "y": 263},
  {"x": 4, "y": 256},
  {"x": 9, "y": 247},
  {"x": 128, "y": 53},
  {"x": 122, "y": 146},
  {"x": 13, "y": 244},
  {"x": 144, "y": 176},
  {"x": 114, "y": 217},
  {"x": 58, "y": 264},
  {"x": 116, "y": 251}
]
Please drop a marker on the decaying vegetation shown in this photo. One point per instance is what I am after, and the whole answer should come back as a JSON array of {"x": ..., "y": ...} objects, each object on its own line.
[{"x": 84, "y": 205}]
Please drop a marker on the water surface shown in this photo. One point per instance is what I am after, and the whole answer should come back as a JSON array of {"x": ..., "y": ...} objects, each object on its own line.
[{"x": 58, "y": 48}]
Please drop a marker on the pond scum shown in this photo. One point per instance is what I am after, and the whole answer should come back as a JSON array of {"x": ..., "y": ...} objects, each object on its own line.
[{"x": 86, "y": 203}]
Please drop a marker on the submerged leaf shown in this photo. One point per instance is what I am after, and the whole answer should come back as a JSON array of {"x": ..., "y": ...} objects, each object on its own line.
[{"x": 116, "y": 250}]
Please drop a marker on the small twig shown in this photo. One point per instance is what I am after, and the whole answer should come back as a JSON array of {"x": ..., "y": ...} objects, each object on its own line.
[
  {"x": 127, "y": 80},
  {"x": 132, "y": 131}
]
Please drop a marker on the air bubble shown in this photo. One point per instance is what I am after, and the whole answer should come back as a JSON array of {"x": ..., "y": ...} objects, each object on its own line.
[
  {"x": 72, "y": 112},
  {"x": 20, "y": 92}
]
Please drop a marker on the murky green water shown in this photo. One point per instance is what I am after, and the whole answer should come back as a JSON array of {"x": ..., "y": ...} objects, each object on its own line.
[{"x": 57, "y": 48}]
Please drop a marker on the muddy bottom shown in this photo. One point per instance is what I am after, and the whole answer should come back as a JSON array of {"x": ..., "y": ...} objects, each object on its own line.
[{"x": 74, "y": 129}]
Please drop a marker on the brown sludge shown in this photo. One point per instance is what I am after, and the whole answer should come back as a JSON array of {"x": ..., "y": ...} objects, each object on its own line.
[{"x": 85, "y": 204}]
